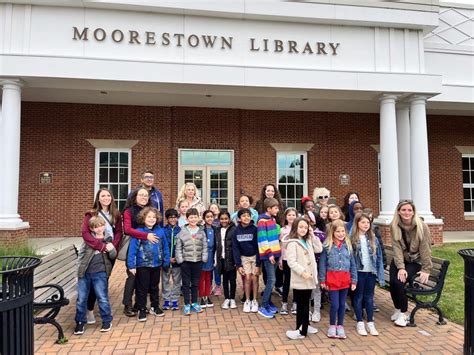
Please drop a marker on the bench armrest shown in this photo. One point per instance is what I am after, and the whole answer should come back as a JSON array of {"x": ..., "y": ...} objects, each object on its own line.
[{"x": 55, "y": 300}]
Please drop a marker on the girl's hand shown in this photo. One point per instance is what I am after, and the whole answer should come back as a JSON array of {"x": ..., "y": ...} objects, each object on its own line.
[
  {"x": 423, "y": 276},
  {"x": 133, "y": 271},
  {"x": 402, "y": 275},
  {"x": 324, "y": 286},
  {"x": 306, "y": 275},
  {"x": 353, "y": 287},
  {"x": 152, "y": 238}
]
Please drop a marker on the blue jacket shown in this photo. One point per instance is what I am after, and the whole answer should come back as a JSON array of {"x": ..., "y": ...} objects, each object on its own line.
[
  {"x": 337, "y": 260},
  {"x": 143, "y": 253},
  {"x": 211, "y": 235},
  {"x": 171, "y": 233},
  {"x": 245, "y": 243},
  {"x": 376, "y": 260}
]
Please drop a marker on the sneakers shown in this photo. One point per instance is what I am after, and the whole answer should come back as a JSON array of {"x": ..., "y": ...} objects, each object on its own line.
[
  {"x": 402, "y": 320},
  {"x": 232, "y": 304},
  {"x": 284, "y": 309},
  {"x": 294, "y": 334},
  {"x": 106, "y": 327},
  {"x": 90, "y": 317},
  {"x": 372, "y": 330},
  {"x": 203, "y": 302},
  {"x": 175, "y": 306},
  {"x": 395, "y": 315},
  {"x": 340, "y": 332},
  {"x": 272, "y": 308},
  {"x": 311, "y": 330},
  {"x": 187, "y": 310},
  {"x": 166, "y": 305},
  {"x": 348, "y": 308},
  {"x": 196, "y": 308},
  {"x": 332, "y": 331},
  {"x": 247, "y": 306},
  {"x": 293, "y": 308},
  {"x": 141, "y": 315},
  {"x": 218, "y": 291},
  {"x": 265, "y": 312},
  {"x": 226, "y": 304},
  {"x": 243, "y": 299},
  {"x": 361, "y": 329},
  {"x": 209, "y": 303},
  {"x": 129, "y": 311},
  {"x": 316, "y": 317},
  {"x": 376, "y": 309},
  {"x": 79, "y": 330},
  {"x": 157, "y": 311},
  {"x": 254, "y": 306}
]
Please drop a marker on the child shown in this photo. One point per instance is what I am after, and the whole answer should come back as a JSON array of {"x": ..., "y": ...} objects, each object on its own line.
[
  {"x": 369, "y": 261},
  {"x": 94, "y": 268},
  {"x": 319, "y": 234},
  {"x": 269, "y": 249},
  {"x": 338, "y": 273},
  {"x": 191, "y": 252},
  {"x": 334, "y": 213},
  {"x": 145, "y": 259},
  {"x": 214, "y": 207},
  {"x": 225, "y": 259},
  {"x": 206, "y": 271},
  {"x": 300, "y": 252},
  {"x": 290, "y": 216},
  {"x": 246, "y": 258},
  {"x": 174, "y": 271},
  {"x": 183, "y": 207},
  {"x": 245, "y": 201},
  {"x": 323, "y": 214},
  {"x": 307, "y": 210}
]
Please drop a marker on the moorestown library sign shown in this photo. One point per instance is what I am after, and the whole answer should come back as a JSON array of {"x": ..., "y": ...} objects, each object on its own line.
[{"x": 167, "y": 39}]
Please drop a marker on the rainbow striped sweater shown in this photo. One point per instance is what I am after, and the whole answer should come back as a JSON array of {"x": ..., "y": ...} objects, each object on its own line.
[{"x": 268, "y": 237}]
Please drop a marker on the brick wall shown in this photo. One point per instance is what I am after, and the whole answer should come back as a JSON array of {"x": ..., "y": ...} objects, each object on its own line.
[
  {"x": 16, "y": 238},
  {"x": 54, "y": 140}
]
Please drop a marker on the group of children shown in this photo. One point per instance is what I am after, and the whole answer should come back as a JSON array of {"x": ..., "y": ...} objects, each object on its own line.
[{"x": 314, "y": 252}]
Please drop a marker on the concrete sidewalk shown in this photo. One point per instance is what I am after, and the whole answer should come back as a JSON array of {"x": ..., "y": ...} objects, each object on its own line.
[{"x": 45, "y": 246}]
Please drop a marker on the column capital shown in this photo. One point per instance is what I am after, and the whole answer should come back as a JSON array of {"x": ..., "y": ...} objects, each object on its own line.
[
  {"x": 418, "y": 99},
  {"x": 11, "y": 83},
  {"x": 388, "y": 97}
]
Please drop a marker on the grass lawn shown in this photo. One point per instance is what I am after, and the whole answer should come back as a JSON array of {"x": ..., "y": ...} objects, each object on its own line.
[
  {"x": 18, "y": 251},
  {"x": 452, "y": 298}
]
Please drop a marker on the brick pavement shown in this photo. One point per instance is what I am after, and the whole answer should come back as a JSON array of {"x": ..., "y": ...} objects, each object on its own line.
[{"x": 217, "y": 331}]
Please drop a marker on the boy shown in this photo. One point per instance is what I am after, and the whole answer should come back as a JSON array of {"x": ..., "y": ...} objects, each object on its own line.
[
  {"x": 94, "y": 268},
  {"x": 246, "y": 258},
  {"x": 269, "y": 250},
  {"x": 191, "y": 252},
  {"x": 183, "y": 206},
  {"x": 174, "y": 271}
]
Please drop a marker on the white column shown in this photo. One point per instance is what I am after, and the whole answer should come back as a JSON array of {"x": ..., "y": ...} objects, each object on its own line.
[
  {"x": 403, "y": 141},
  {"x": 10, "y": 150},
  {"x": 388, "y": 157},
  {"x": 420, "y": 171}
]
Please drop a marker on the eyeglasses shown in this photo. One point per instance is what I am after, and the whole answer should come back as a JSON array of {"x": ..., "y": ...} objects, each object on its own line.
[
  {"x": 149, "y": 177},
  {"x": 142, "y": 195},
  {"x": 323, "y": 197}
]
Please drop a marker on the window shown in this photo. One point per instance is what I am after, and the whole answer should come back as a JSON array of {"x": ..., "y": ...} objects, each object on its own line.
[
  {"x": 292, "y": 177},
  {"x": 468, "y": 183},
  {"x": 113, "y": 172}
]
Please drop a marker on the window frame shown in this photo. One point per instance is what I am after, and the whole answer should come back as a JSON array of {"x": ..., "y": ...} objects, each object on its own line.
[
  {"x": 305, "y": 171},
  {"x": 467, "y": 185}
]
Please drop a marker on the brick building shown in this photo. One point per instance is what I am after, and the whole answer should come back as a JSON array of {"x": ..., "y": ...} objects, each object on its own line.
[{"x": 364, "y": 102}]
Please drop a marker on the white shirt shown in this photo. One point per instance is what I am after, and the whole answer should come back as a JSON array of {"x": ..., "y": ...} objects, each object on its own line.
[{"x": 223, "y": 231}]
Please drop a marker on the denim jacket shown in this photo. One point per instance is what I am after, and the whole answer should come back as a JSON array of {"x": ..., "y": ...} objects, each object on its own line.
[
  {"x": 337, "y": 260},
  {"x": 143, "y": 253},
  {"x": 376, "y": 260}
]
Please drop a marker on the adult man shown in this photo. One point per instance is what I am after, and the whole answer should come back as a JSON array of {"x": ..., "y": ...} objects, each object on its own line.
[{"x": 147, "y": 181}]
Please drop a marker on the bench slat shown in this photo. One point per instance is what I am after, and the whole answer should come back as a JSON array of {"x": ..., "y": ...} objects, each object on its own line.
[
  {"x": 55, "y": 258},
  {"x": 58, "y": 277}
]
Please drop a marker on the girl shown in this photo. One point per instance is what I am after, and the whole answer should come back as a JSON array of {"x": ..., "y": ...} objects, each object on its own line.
[
  {"x": 323, "y": 214},
  {"x": 206, "y": 272},
  {"x": 354, "y": 208},
  {"x": 338, "y": 273},
  {"x": 335, "y": 213},
  {"x": 290, "y": 216},
  {"x": 225, "y": 259},
  {"x": 245, "y": 201},
  {"x": 319, "y": 234},
  {"x": 270, "y": 191},
  {"x": 348, "y": 199},
  {"x": 190, "y": 193},
  {"x": 183, "y": 207},
  {"x": 217, "y": 291},
  {"x": 301, "y": 248},
  {"x": 214, "y": 207},
  {"x": 145, "y": 259},
  {"x": 369, "y": 261},
  {"x": 307, "y": 210}
]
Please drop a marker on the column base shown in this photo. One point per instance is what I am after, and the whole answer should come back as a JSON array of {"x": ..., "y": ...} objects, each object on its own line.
[
  {"x": 12, "y": 238},
  {"x": 436, "y": 229}
]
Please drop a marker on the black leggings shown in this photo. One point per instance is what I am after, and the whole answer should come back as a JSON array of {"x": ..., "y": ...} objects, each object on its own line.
[
  {"x": 286, "y": 281},
  {"x": 397, "y": 288},
  {"x": 301, "y": 298},
  {"x": 229, "y": 278}
]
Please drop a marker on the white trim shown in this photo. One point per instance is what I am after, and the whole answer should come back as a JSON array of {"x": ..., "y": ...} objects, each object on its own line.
[
  {"x": 467, "y": 185},
  {"x": 305, "y": 169}
]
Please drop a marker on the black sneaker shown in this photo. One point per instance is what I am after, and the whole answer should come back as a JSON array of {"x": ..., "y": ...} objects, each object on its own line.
[
  {"x": 157, "y": 311},
  {"x": 79, "y": 328},
  {"x": 209, "y": 303},
  {"x": 106, "y": 327},
  {"x": 203, "y": 302},
  {"x": 142, "y": 315},
  {"x": 129, "y": 311}
]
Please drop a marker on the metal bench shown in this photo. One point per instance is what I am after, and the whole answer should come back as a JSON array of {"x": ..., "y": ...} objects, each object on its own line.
[
  {"x": 55, "y": 283},
  {"x": 415, "y": 289}
]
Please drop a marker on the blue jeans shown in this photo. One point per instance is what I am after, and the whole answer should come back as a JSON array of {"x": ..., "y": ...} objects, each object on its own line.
[
  {"x": 99, "y": 282},
  {"x": 267, "y": 292},
  {"x": 364, "y": 295},
  {"x": 338, "y": 306},
  {"x": 217, "y": 276}
]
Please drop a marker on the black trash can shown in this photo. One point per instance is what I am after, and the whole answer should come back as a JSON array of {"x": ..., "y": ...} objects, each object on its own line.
[
  {"x": 468, "y": 256},
  {"x": 16, "y": 304}
]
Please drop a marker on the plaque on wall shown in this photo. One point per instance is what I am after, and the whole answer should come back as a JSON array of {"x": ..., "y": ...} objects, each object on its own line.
[{"x": 46, "y": 178}]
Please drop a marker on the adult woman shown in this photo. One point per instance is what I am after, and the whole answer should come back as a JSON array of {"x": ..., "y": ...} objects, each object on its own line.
[
  {"x": 411, "y": 241},
  {"x": 270, "y": 191},
  {"x": 104, "y": 206},
  {"x": 348, "y": 199},
  {"x": 321, "y": 197},
  {"x": 136, "y": 201},
  {"x": 189, "y": 192}
]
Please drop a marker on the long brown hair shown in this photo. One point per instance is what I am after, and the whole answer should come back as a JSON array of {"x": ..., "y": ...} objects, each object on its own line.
[
  {"x": 355, "y": 233},
  {"x": 294, "y": 229},
  {"x": 97, "y": 207}
]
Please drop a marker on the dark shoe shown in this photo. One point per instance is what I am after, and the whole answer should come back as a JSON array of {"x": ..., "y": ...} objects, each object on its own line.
[
  {"x": 203, "y": 302},
  {"x": 209, "y": 303},
  {"x": 129, "y": 311},
  {"x": 166, "y": 305},
  {"x": 106, "y": 327},
  {"x": 175, "y": 306},
  {"x": 243, "y": 299},
  {"x": 142, "y": 315},
  {"x": 79, "y": 329},
  {"x": 157, "y": 311}
]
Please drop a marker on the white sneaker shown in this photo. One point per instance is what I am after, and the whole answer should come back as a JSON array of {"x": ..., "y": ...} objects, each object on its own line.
[
  {"x": 233, "y": 305},
  {"x": 401, "y": 320},
  {"x": 254, "y": 307},
  {"x": 293, "y": 308},
  {"x": 247, "y": 306},
  {"x": 316, "y": 317},
  {"x": 312, "y": 330},
  {"x": 361, "y": 328},
  {"x": 90, "y": 317},
  {"x": 371, "y": 328},
  {"x": 226, "y": 304},
  {"x": 294, "y": 334},
  {"x": 395, "y": 315}
]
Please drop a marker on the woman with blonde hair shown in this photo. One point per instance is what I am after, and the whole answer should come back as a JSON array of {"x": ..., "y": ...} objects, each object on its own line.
[
  {"x": 190, "y": 193},
  {"x": 411, "y": 242}
]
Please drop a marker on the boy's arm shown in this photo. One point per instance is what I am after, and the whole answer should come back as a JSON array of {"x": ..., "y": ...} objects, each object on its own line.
[
  {"x": 165, "y": 247},
  {"x": 179, "y": 249},
  {"x": 205, "y": 250},
  {"x": 263, "y": 245}
]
